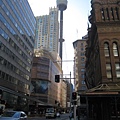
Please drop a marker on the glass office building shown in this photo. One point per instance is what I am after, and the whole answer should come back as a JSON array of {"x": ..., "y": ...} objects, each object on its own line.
[{"x": 17, "y": 25}]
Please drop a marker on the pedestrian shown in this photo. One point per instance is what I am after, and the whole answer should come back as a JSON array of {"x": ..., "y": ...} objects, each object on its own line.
[
  {"x": 1, "y": 110},
  {"x": 78, "y": 113}
]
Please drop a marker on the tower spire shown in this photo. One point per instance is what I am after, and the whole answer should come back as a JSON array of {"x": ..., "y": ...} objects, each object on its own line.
[{"x": 62, "y": 5}]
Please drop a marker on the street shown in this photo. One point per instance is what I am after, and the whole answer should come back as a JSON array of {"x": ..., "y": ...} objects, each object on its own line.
[{"x": 62, "y": 117}]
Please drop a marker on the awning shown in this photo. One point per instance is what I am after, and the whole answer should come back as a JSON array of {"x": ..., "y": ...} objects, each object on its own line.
[{"x": 102, "y": 90}]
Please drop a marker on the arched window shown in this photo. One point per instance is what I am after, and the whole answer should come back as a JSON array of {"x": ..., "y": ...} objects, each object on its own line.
[
  {"x": 115, "y": 49},
  {"x": 108, "y": 70},
  {"x": 106, "y": 50}
]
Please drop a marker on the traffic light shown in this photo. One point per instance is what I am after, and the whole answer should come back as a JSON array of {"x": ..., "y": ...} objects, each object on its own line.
[
  {"x": 56, "y": 102},
  {"x": 57, "y": 78},
  {"x": 74, "y": 95},
  {"x": 1, "y": 93},
  {"x": 74, "y": 102}
]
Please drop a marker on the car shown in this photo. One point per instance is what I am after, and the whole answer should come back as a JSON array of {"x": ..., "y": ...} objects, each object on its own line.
[
  {"x": 13, "y": 115},
  {"x": 71, "y": 115},
  {"x": 57, "y": 114}
]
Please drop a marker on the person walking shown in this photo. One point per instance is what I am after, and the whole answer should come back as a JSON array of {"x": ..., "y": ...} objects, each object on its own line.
[{"x": 1, "y": 110}]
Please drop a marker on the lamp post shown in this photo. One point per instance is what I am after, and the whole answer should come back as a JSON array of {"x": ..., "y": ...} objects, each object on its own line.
[{"x": 69, "y": 79}]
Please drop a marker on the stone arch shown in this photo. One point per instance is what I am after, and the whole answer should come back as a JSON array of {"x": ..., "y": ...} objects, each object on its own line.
[{"x": 104, "y": 40}]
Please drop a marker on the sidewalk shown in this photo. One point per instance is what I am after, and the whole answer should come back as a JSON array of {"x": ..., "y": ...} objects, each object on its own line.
[{"x": 82, "y": 118}]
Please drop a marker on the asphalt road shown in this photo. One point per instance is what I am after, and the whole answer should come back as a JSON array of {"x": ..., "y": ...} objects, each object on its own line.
[{"x": 62, "y": 117}]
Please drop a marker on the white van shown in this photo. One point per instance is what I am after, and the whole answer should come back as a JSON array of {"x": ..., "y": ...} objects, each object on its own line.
[{"x": 50, "y": 113}]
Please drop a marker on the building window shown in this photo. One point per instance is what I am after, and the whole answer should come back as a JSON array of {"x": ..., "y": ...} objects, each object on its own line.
[
  {"x": 107, "y": 11},
  {"x": 83, "y": 76},
  {"x": 83, "y": 64},
  {"x": 82, "y": 49},
  {"x": 83, "y": 88},
  {"x": 82, "y": 54},
  {"x": 81, "y": 44},
  {"x": 108, "y": 70},
  {"x": 82, "y": 59},
  {"x": 115, "y": 49},
  {"x": 82, "y": 70},
  {"x": 117, "y": 12},
  {"x": 103, "y": 14},
  {"x": 112, "y": 14},
  {"x": 83, "y": 82},
  {"x": 117, "y": 66},
  {"x": 3, "y": 75},
  {"x": 106, "y": 50}
]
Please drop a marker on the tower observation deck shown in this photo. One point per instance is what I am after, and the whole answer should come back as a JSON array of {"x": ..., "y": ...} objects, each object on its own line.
[{"x": 62, "y": 5}]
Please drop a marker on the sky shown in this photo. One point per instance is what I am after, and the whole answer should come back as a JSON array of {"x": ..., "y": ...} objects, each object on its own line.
[{"x": 75, "y": 23}]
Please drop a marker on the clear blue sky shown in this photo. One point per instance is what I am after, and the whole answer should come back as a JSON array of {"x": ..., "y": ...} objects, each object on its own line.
[{"x": 74, "y": 24}]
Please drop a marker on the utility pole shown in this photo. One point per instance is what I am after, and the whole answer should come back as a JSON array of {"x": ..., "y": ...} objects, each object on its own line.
[
  {"x": 74, "y": 112},
  {"x": 74, "y": 100},
  {"x": 69, "y": 79},
  {"x": 70, "y": 92}
]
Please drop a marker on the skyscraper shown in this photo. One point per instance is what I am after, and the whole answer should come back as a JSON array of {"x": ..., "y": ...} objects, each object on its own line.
[
  {"x": 17, "y": 25},
  {"x": 47, "y": 31}
]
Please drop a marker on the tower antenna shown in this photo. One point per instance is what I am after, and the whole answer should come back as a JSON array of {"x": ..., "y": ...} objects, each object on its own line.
[{"x": 62, "y": 5}]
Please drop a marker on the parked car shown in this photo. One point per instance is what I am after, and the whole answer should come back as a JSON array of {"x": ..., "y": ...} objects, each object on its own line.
[{"x": 13, "y": 115}]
